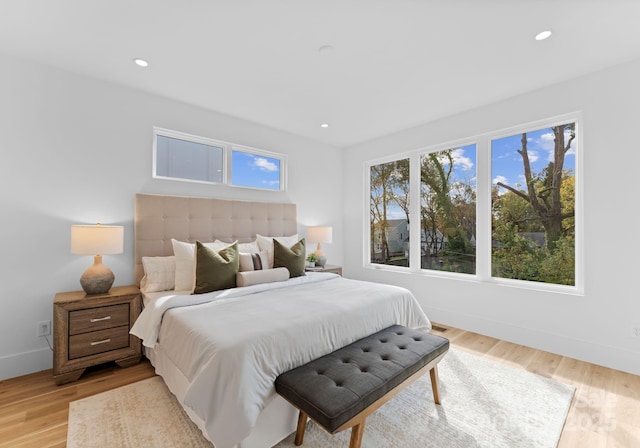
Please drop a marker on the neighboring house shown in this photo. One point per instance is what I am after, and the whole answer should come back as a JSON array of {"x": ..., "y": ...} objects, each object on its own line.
[
  {"x": 397, "y": 233},
  {"x": 398, "y": 237},
  {"x": 432, "y": 243},
  {"x": 539, "y": 238}
]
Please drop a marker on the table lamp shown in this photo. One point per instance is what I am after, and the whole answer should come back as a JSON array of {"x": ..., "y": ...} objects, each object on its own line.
[
  {"x": 320, "y": 235},
  {"x": 97, "y": 240}
]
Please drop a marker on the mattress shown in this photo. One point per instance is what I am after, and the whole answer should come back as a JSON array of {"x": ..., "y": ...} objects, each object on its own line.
[{"x": 221, "y": 352}]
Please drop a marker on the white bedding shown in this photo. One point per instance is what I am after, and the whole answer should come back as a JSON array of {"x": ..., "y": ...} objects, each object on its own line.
[{"x": 231, "y": 345}]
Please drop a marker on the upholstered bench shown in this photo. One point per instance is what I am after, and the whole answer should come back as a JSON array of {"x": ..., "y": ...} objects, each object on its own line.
[{"x": 339, "y": 390}]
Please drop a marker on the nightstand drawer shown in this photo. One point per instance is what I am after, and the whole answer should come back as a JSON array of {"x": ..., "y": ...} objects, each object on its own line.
[
  {"x": 86, "y": 344},
  {"x": 100, "y": 318}
]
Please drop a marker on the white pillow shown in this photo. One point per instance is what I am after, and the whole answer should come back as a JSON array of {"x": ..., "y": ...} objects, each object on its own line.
[
  {"x": 159, "y": 274},
  {"x": 255, "y": 261},
  {"x": 248, "y": 248},
  {"x": 249, "y": 278},
  {"x": 185, "y": 278},
  {"x": 266, "y": 243}
]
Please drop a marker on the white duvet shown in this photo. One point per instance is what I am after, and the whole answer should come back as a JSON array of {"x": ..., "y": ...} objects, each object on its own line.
[{"x": 231, "y": 345}]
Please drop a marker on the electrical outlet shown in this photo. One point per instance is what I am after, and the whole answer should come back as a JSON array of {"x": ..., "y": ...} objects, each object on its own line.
[
  {"x": 635, "y": 331},
  {"x": 44, "y": 328}
]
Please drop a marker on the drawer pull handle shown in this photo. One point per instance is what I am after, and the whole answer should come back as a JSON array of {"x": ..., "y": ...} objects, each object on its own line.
[
  {"x": 100, "y": 319},
  {"x": 104, "y": 341}
]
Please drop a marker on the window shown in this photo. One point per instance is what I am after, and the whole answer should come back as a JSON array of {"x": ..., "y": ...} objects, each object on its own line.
[
  {"x": 180, "y": 156},
  {"x": 515, "y": 221},
  {"x": 533, "y": 205},
  {"x": 448, "y": 210},
  {"x": 389, "y": 221}
]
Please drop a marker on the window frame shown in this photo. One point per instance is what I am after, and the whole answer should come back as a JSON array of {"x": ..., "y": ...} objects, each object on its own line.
[
  {"x": 438, "y": 148},
  {"x": 578, "y": 288},
  {"x": 227, "y": 166},
  {"x": 483, "y": 207},
  {"x": 367, "y": 213}
]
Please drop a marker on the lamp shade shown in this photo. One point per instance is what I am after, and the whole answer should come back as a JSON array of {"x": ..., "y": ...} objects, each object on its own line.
[
  {"x": 97, "y": 240},
  {"x": 320, "y": 234}
]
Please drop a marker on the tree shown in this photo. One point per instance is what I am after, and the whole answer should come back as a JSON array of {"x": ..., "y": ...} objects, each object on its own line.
[
  {"x": 446, "y": 201},
  {"x": 389, "y": 184},
  {"x": 380, "y": 198},
  {"x": 401, "y": 186},
  {"x": 543, "y": 191}
]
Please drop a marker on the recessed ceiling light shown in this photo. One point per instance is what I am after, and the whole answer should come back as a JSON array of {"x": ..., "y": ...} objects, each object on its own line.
[
  {"x": 543, "y": 35},
  {"x": 324, "y": 125},
  {"x": 141, "y": 62}
]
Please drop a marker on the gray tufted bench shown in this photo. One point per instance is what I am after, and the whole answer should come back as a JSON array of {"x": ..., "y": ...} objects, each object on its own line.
[{"x": 341, "y": 389}]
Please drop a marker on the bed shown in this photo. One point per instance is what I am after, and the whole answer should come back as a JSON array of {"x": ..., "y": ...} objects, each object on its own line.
[{"x": 220, "y": 352}]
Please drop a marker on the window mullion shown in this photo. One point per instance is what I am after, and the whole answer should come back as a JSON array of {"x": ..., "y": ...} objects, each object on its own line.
[
  {"x": 483, "y": 209},
  {"x": 415, "y": 261}
]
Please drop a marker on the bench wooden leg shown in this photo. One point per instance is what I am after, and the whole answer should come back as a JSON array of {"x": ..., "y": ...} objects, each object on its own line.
[
  {"x": 302, "y": 425},
  {"x": 434, "y": 384},
  {"x": 356, "y": 435}
]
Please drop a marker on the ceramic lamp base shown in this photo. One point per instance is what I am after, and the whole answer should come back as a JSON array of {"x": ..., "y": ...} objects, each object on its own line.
[
  {"x": 322, "y": 260},
  {"x": 98, "y": 278}
]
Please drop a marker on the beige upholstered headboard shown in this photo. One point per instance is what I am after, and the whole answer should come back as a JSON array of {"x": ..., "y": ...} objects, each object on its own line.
[{"x": 159, "y": 218}]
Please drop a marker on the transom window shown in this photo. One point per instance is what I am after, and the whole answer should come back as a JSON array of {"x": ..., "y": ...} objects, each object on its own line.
[
  {"x": 256, "y": 169},
  {"x": 186, "y": 157}
]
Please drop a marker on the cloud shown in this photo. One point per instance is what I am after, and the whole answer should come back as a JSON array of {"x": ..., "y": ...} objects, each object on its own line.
[
  {"x": 501, "y": 179},
  {"x": 546, "y": 144},
  {"x": 263, "y": 164},
  {"x": 461, "y": 160}
]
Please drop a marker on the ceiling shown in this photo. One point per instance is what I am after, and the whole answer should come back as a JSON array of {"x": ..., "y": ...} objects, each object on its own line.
[{"x": 394, "y": 64}]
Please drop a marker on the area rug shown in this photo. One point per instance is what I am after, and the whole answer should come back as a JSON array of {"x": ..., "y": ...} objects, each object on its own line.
[{"x": 484, "y": 404}]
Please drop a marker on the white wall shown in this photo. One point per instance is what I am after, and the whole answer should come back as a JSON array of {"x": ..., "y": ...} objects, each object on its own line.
[
  {"x": 595, "y": 327},
  {"x": 76, "y": 150}
]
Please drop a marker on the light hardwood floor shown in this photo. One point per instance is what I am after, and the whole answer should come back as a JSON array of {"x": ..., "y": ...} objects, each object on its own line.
[{"x": 605, "y": 412}]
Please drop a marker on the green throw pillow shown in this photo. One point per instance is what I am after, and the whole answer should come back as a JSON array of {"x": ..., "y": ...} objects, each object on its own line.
[
  {"x": 292, "y": 258},
  {"x": 216, "y": 269}
]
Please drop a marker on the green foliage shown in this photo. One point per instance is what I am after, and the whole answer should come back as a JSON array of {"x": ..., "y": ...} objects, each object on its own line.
[
  {"x": 520, "y": 258},
  {"x": 510, "y": 207},
  {"x": 558, "y": 267}
]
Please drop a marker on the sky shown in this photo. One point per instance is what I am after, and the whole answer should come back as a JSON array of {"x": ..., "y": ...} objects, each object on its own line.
[
  {"x": 506, "y": 162},
  {"x": 251, "y": 170}
]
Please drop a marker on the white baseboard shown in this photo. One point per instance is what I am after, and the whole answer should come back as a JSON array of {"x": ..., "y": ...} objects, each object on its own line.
[
  {"x": 595, "y": 353},
  {"x": 24, "y": 363}
]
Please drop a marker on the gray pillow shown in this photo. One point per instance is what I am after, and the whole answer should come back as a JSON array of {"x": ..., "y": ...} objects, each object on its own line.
[
  {"x": 292, "y": 258},
  {"x": 216, "y": 269}
]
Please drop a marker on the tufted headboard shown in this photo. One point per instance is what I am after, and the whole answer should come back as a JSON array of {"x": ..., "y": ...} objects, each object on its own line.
[{"x": 159, "y": 218}]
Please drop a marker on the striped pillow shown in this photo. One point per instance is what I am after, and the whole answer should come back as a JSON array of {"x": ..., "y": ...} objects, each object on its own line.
[{"x": 254, "y": 261}]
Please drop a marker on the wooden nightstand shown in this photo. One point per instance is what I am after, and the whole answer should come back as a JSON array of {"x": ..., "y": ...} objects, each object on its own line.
[
  {"x": 93, "y": 329},
  {"x": 327, "y": 268}
]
